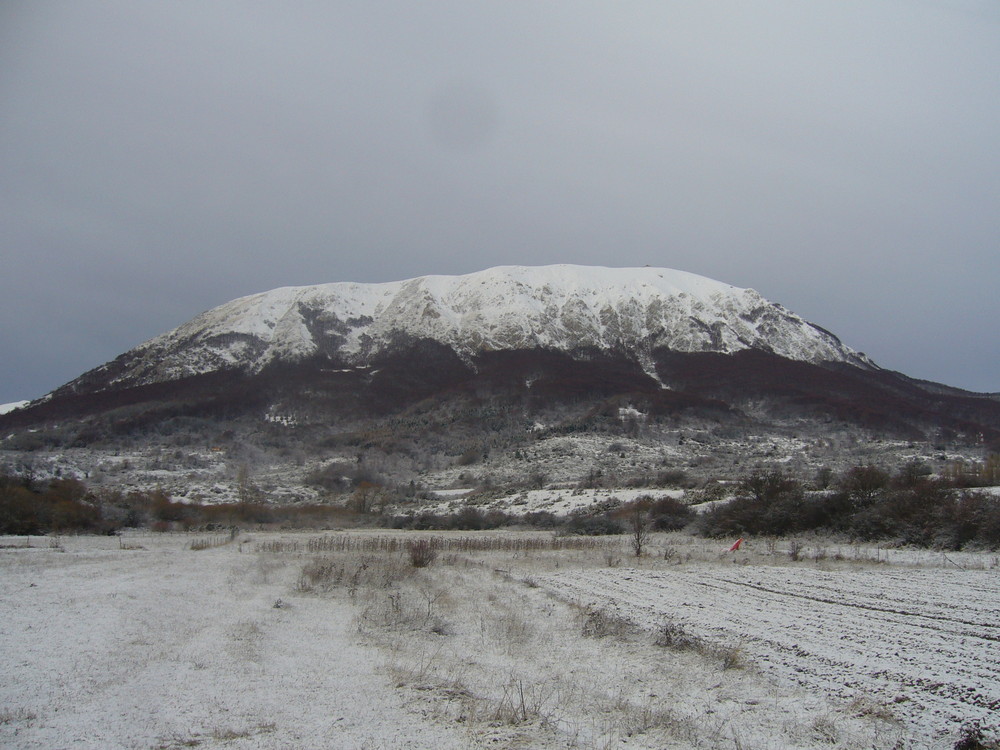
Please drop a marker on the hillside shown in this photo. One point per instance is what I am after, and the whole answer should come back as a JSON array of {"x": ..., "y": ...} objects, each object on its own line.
[{"x": 438, "y": 373}]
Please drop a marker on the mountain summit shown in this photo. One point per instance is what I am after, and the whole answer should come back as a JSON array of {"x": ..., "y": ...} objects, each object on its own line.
[{"x": 632, "y": 312}]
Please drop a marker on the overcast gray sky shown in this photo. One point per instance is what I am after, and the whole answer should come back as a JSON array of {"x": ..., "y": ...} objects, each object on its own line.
[{"x": 159, "y": 158}]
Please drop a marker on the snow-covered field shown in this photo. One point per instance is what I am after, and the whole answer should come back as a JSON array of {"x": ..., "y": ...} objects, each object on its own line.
[
  {"x": 924, "y": 643},
  {"x": 506, "y": 640},
  {"x": 166, "y": 647}
]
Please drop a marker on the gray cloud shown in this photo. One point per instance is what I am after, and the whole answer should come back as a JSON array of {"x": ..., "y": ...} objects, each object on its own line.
[{"x": 160, "y": 158}]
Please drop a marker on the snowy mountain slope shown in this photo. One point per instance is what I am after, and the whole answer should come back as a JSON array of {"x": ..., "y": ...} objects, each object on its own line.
[
  {"x": 6, "y": 408},
  {"x": 568, "y": 308},
  {"x": 466, "y": 366}
]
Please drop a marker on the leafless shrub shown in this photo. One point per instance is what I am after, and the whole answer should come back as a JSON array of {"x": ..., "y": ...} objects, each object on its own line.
[
  {"x": 794, "y": 550},
  {"x": 974, "y": 736},
  {"x": 521, "y": 703},
  {"x": 730, "y": 657},
  {"x": 639, "y": 526},
  {"x": 422, "y": 553}
]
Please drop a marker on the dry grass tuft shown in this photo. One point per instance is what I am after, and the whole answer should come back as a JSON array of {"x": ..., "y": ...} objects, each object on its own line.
[
  {"x": 600, "y": 623},
  {"x": 16, "y": 716},
  {"x": 675, "y": 637}
]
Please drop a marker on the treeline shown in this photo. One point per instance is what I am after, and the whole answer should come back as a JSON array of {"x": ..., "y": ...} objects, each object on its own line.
[
  {"x": 865, "y": 504},
  {"x": 61, "y": 505},
  {"x": 67, "y": 506}
]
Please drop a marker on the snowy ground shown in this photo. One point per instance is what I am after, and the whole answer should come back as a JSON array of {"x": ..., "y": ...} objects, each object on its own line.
[
  {"x": 559, "y": 502},
  {"x": 165, "y": 647},
  {"x": 922, "y": 643},
  {"x": 506, "y": 640}
]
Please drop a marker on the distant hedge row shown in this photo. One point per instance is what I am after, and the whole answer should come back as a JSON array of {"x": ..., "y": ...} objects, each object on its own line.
[
  {"x": 67, "y": 506},
  {"x": 867, "y": 504}
]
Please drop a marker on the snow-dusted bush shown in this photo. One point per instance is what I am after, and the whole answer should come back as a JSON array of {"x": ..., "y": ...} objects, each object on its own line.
[{"x": 422, "y": 553}]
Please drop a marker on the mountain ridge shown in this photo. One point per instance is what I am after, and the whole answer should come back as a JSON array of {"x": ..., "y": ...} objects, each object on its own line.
[{"x": 559, "y": 307}]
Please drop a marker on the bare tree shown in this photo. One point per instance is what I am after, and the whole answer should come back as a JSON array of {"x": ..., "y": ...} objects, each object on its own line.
[
  {"x": 639, "y": 525},
  {"x": 245, "y": 488},
  {"x": 368, "y": 498}
]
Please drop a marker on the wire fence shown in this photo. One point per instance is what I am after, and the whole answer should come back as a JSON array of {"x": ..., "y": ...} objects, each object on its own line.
[{"x": 396, "y": 543}]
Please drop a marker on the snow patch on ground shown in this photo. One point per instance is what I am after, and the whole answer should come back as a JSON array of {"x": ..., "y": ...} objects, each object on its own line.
[{"x": 559, "y": 502}]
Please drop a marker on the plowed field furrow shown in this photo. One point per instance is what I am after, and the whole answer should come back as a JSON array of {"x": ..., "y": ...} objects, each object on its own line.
[
  {"x": 916, "y": 604},
  {"x": 924, "y": 642},
  {"x": 949, "y": 624}
]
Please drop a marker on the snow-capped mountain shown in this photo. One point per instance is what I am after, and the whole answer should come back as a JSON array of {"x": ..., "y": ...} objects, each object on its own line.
[
  {"x": 565, "y": 308},
  {"x": 486, "y": 357}
]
